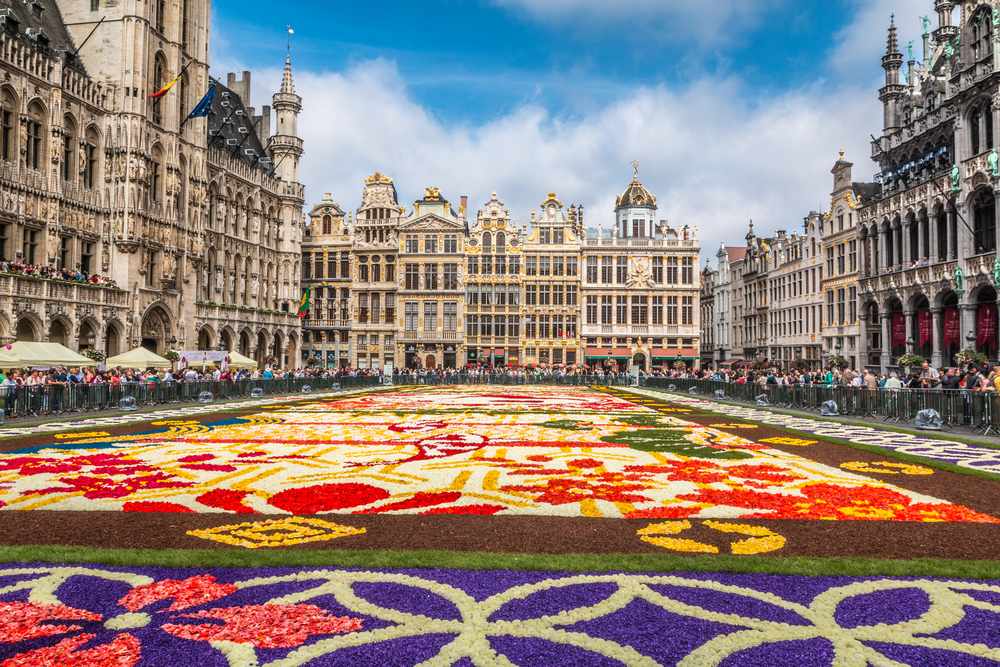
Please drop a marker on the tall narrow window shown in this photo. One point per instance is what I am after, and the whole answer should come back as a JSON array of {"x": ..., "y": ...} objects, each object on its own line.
[
  {"x": 8, "y": 131},
  {"x": 35, "y": 136}
]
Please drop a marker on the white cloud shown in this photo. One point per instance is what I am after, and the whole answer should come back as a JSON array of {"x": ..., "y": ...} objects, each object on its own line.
[
  {"x": 712, "y": 21},
  {"x": 712, "y": 152}
]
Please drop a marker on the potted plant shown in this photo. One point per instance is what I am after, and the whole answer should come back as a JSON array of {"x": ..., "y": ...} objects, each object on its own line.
[
  {"x": 171, "y": 356},
  {"x": 95, "y": 355},
  {"x": 970, "y": 356},
  {"x": 837, "y": 361},
  {"x": 911, "y": 362}
]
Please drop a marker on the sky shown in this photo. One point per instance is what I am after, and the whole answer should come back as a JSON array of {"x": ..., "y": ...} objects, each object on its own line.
[{"x": 734, "y": 109}]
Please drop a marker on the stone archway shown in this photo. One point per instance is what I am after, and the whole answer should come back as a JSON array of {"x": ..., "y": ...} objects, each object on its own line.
[
  {"x": 155, "y": 330},
  {"x": 112, "y": 340},
  {"x": 26, "y": 330},
  {"x": 87, "y": 339},
  {"x": 205, "y": 341},
  {"x": 58, "y": 333}
]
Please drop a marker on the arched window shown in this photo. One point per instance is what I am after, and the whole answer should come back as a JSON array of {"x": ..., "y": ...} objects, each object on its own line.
[
  {"x": 982, "y": 33},
  {"x": 984, "y": 217},
  {"x": 70, "y": 140},
  {"x": 159, "y": 14},
  {"x": 487, "y": 242},
  {"x": 156, "y": 175},
  {"x": 35, "y": 139},
  {"x": 159, "y": 80},
  {"x": 8, "y": 125},
  {"x": 327, "y": 224},
  {"x": 91, "y": 156},
  {"x": 975, "y": 121},
  {"x": 501, "y": 243}
]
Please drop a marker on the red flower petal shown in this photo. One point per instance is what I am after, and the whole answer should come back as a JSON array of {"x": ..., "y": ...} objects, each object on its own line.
[
  {"x": 326, "y": 497},
  {"x": 265, "y": 625},
  {"x": 422, "y": 499},
  {"x": 22, "y": 620},
  {"x": 185, "y": 593},
  {"x": 483, "y": 509},
  {"x": 122, "y": 651},
  {"x": 154, "y": 506},
  {"x": 226, "y": 499}
]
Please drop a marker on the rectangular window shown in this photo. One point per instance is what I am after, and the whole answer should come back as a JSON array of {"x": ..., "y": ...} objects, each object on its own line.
[
  {"x": 558, "y": 266},
  {"x": 430, "y": 316},
  {"x": 412, "y": 244},
  {"x": 658, "y": 270},
  {"x": 852, "y": 305},
  {"x": 530, "y": 295},
  {"x": 571, "y": 295},
  {"x": 687, "y": 274},
  {"x": 451, "y": 276},
  {"x": 621, "y": 270},
  {"x": 450, "y": 244},
  {"x": 430, "y": 245},
  {"x": 472, "y": 267},
  {"x": 621, "y": 309},
  {"x": 672, "y": 311},
  {"x": 545, "y": 266},
  {"x": 412, "y": 276},
  {"x": 34, "y": 146},
  {"x": 87, "y": 253},
  {"x": 557, "y": 295},
  {"x": 687, "y": 310},
  {"x": 829, "y": 261},
  {"x": 571, "y": 266},
  {"x": 558, "y": 236},
  {"x": 65, "y": 252},
  {"x": 363, "y": 308},
  {"x": 7, "y": 135},
  {"x": 829, "y": 307},
  {"x": 531, "y": 266},
  {"x": 410, "y": 317},
  {"x": 853, "y": 256},
  {"x": 657, "y": 310},
  {"x": 345, "y": 265},
  {"x": 841, "y": 259},
  {"x": 606, "y": 310},
  {"x": 591, "y": 310},
  {"x": 390, "y": 308},
  {"x": 592, "y": 269},
  {"x": 544, "y": 295},
  {"x": 841, "y": 306},
  {"x": 672, "y": 266},
  {"x": 450, "y": 316},
  {"x": 331, "y": 266},
  {"x": 430, "y": 276},
  {"x": 640, "y": 310}
]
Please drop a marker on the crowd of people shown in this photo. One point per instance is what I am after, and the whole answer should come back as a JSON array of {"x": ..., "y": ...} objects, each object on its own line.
[
  {"x": 20, "y": 268},
  {"x": 972, "y": 378},
  {"x": 117, "y": 376}
]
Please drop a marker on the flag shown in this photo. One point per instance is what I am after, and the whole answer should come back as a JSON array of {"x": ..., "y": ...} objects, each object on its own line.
[
  {"x": 204, "y": 107},
  {"x": 170, "y": 84},
  {"x": 305, "y": 303}
]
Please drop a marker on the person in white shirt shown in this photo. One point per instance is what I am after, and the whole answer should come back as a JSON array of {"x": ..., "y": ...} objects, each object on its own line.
[{"x": 893, "y": 383}]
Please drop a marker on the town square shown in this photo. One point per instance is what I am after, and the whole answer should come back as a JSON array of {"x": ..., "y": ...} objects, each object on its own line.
[{"x": 474, "y": 334}]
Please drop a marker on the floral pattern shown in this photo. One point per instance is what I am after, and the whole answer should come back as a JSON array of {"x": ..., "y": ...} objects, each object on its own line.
[
  {"x": 335, "y": 616},
  {"x": 531, "y": 451}
]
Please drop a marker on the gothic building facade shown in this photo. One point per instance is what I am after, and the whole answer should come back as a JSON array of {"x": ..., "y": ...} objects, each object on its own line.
[
  {"x": 928, "y": 240},
  {"x": 123, "y": 223}
]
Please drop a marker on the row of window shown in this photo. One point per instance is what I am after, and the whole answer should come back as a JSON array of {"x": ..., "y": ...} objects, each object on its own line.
[
  {"x": 500, "y": 326},
  {"x": 550, "y": 326},
  {"x": 842, "y": 306},
  {"x": 431, "y": 245},
  {"x": 615, "y": 310},
  {"x": 73, "y": 252},
  {"x": 493, "y": 295},
  {"x": 846, "y": 259},
  {"x": 795, "y": 321},
  {"x": 550, "y": 295},
  {"x": 551, "y": 265},
  {"x": 488, "y": 265},
  {"x": 431, "y": 309},
  {"x": 412, "y": 276},
  {"x": 614, "y": 270}
]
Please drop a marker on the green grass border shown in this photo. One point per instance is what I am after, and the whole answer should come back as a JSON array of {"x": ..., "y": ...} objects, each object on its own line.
[
  {"x": 871, "y": 449},
  {"x": 477, "y": 560}
]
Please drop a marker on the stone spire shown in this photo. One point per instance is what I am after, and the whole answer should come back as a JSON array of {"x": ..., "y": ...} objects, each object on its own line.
[
  {"x": 891, "y": 93},
  {"x": 287, "y": 81}
]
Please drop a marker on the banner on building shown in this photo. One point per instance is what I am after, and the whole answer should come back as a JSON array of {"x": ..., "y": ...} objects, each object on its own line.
[
  {"x": 951, "y": 337},
  {"x": 924, "y": 327},
  {"x": 898, "y": 330},
  {"x": 986, "y": 327}
]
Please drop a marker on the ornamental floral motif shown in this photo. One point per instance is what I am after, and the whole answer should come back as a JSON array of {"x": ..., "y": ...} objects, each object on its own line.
[
  {"x": 329, "y": 616},
  {"x": 530, "y": 451}
]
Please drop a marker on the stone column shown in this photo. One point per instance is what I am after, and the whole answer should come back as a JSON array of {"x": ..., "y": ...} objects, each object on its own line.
[
  {"x": 937, "y": 336},
  {"x": 900, "y": 247},
  {"x": 909, "y": 331},
  {"x": 862, "y": 346},
  {"x": 951, "y": 241},
  {"x": 967, "y": 313},
  {"x": 935, "y": 241},
  {"x": 886, "y": 341},
  {"x": 904, "y": 234},
  {"x": 922, "y": 232}
]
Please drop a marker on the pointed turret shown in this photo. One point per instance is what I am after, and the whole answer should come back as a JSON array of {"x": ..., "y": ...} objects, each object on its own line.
[
  {"x": 891, "y": 93},
  {"x": 286, "y": 145},
  {"x": 945, "y": 30},
  {"x": 287, "y": 81}
]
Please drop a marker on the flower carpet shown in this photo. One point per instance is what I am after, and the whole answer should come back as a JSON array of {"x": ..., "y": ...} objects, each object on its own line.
[{"x": 491, "y": 525}]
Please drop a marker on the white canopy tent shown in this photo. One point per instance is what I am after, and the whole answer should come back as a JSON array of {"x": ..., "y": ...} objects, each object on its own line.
[
  {"x": 44, "y": 355},
  {"x": 139, "y": 358}
]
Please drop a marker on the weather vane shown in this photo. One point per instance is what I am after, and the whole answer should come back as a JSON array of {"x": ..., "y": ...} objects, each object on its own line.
[{"x": 291, "y": 31}]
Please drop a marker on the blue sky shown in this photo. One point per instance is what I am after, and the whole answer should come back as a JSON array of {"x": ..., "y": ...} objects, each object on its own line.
[{"x": 734, "y": 108}]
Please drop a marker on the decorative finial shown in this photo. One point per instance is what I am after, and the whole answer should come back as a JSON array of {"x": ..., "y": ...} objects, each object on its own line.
[
  {"x": 635, "y": 170},
  {"x": 841, "y": 156},
  {"x": 291, "y": 31}
]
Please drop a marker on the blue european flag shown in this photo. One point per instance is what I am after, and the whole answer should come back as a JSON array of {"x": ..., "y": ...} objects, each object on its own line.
[{"x": 204, "y": 107}]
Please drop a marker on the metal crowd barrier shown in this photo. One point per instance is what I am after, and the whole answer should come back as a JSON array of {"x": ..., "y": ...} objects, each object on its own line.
[
  {"x": 958, "y": 408},
  {"x": 505, "y": 379},
  {"x": 24, "y": 401}
]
